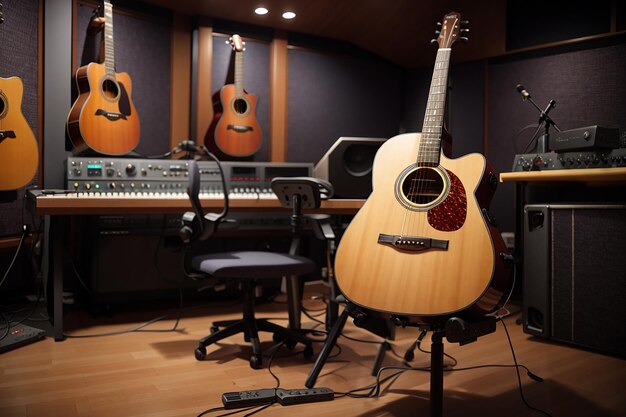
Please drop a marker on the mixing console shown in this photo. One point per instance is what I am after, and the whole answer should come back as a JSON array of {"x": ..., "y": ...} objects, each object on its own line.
[{"x": 164, "y": 178}]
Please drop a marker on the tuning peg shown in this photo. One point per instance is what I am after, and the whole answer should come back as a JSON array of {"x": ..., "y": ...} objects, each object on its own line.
[
  {"x": 464, "y": 39},
  {"x": 437, "y": 32},
  {"x": 433, "y": 41},
  {"x": 465, "y": 23},
  {"x": 439, "y": 25},
  {"x": 464, "y": 30}
]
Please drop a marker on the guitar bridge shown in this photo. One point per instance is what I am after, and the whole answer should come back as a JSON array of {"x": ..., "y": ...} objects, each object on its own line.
[
  {"x": 112, "y": 116},
  {"x": 412, "y": 243},
  {"x": 6, "y": 134},
  {"x": 240, "y": 128}
]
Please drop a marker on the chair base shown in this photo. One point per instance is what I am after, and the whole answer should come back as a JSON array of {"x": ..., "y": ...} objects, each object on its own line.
[{"x": 250, "y": 329}]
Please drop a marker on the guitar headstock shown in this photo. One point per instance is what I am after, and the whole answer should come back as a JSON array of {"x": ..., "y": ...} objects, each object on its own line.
[
  {"x": 1, "y": 14},
  {"x": 452, "y": 30},
  {"x": 237, "y": 43}
]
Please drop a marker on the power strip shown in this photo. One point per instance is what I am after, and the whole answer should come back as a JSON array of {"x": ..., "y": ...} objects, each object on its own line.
[
  {"x": 301, "y": 396},
  {"x": 251, "y": 398},
  {"x": 248, "y": 398}
]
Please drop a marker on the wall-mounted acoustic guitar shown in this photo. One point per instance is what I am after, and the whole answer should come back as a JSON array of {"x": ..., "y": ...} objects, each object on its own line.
[
  {"x": 103, "y": 116},
  {"x": 423, "y": 245},
  {"x": 235, "y": 130},
  {"x": 19, "y": 154}
]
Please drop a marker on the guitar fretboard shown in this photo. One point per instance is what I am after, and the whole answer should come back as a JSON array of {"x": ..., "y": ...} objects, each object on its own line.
[
  {"x": 238, "y": 74},
  {"x": 109, "y": 52},
  {"x": 430, "y": 142}
]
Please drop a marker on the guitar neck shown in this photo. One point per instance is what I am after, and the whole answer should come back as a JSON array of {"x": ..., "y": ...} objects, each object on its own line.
[
  {"x": 430, "y": 143},
  {"x": 238, "y": 74},
  {"x": 109, "y": 50}
]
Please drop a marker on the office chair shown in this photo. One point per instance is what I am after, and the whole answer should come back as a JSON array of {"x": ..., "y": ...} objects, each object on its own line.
[{"x": 248, "y": 268}]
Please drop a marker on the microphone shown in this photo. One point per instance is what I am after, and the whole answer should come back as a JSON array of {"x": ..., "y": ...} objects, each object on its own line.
[{"x": 525, "y": 94}]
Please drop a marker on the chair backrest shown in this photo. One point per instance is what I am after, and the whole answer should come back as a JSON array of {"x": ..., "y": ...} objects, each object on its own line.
[
  {"x": 196, "y": 224},
  {"x": 308, "y": 192}
]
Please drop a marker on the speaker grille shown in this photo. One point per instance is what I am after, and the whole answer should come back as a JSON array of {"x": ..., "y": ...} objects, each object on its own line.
[{"x": 575, "y": 261}]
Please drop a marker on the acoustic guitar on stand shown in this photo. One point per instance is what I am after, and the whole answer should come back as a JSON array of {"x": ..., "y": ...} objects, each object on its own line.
[
  {"x": 103, "y": 116},
  {"x": 19, "y": 154},
  {"x": 423, "y": 245},
  {"x": 235, "y": 130}
]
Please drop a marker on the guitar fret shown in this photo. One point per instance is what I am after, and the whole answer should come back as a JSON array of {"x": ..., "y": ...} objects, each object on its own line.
[
  {"x": 429, "y": 149},
  {"x": 109, "y": 52},
  {"x": 238, "y": 74}
]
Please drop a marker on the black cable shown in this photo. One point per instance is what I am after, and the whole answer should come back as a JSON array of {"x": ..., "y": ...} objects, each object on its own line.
[
  {"x": 534, "y": 137},
  {"x": 519, "y": 379},
  {"x": 17, "y": 252}
]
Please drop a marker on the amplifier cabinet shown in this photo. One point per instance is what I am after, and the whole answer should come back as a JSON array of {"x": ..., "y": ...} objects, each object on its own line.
[{"x": 574, "y": 288}]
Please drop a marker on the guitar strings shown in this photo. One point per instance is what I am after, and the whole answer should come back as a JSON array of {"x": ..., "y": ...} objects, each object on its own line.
[{"x": 429, "y": 147}]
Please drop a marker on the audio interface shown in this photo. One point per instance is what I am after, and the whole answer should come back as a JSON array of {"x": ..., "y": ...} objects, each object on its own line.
[
  {"x": 170, "y": 176},
  {"x": 614, "y": 158}
]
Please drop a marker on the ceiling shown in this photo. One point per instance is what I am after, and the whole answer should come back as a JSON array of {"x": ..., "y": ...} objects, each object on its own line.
[{"x": 397, "y": 30}]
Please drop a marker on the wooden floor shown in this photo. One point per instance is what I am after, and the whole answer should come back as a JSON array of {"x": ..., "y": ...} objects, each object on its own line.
[{"x": 156, "y": 374}]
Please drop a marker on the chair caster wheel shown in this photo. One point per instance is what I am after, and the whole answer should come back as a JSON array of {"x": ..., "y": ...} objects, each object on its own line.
[
  {"x": 290, "y": 344},
  {"x": 200, "y": 353},
  {"x": 214, "y": 329},
  {"x": 256, "y": 361}
]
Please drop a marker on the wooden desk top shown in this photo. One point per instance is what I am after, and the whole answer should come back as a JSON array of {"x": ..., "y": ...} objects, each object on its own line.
[
  {"x": 71, "y": 204},
  {"x": 614, "y": 175}
]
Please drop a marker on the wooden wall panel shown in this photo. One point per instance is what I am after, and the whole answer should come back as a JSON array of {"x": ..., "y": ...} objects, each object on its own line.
[
  {"x": 181, "y": 83},
  {"x": 278, "y": 98}
]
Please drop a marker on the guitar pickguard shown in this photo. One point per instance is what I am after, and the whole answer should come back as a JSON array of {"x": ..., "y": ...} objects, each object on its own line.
[{"x": 451, "y": 213}]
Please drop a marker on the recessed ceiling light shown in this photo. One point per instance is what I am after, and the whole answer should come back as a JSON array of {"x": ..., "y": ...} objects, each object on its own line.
[
  {"x": 261, "y": 10},
  {"x": 289, "y": 15}
]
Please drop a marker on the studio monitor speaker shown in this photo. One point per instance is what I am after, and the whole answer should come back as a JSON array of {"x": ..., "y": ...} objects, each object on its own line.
[
  {"x": 348, "y": 166},
  {"x": 574, "y": 288}
]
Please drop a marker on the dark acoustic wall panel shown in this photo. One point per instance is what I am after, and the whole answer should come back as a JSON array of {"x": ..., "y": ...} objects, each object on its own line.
[
  {"x": 537, "y": 22},
  {"x": 256, "y": 78},
  {"x": 416, "y": 83},
  {"x": 332, "y": 95},
  {"x": 588, "y": 86},
  {"x": 464, "y": 107},
  {"x": 19, "y": 58},
  {"x": 142, "y": 49}
]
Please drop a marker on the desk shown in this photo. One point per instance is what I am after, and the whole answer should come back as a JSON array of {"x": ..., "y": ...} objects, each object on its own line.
[
  {"x": 59, "y": 208},
  {"x": 591, "y": 176},
  {"x": 598, "y": 176}
]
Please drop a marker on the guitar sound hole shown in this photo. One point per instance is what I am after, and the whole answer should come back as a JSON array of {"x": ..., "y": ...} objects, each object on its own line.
[
  {"x": 422, "y": 186},
  {"x": 3, "y": 106},
  {"x": 240, "y": 105},
  {"x": 110, "y": 89}
]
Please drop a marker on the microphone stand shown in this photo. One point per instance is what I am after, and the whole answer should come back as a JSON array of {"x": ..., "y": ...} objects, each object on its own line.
[{"x": 544, "y": 119}]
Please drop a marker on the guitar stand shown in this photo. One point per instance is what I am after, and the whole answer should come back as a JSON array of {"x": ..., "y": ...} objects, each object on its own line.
[
  {"x": 361, "y": 319},
  {"x": 455, "y": 330}
]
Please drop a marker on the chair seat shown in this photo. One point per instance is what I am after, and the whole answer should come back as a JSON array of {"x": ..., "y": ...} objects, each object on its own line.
[{"x": 251, "y": 264}]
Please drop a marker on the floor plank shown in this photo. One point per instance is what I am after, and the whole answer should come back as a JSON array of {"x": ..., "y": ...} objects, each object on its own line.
[{"x": 156, "y": 374}]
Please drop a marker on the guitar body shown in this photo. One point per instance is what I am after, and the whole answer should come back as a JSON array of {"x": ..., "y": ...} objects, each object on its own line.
[
  {"x": 235, "y": 131},
  {"x": 103, "y": 116},
  {"x": 19, "y": 155},
  {"x": 466, "y": 278}
]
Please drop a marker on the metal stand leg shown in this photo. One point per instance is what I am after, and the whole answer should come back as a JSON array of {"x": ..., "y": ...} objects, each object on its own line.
[
  {"x": 55, "y": 239},
  {"x": 331, "y": 341},
  {"x": 436, "y": 375}
]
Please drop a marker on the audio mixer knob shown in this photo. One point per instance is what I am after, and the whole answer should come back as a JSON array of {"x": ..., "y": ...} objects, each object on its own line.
[
  {"x": 131, "y": 170},
  {"x": 110, "y": 172}
]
